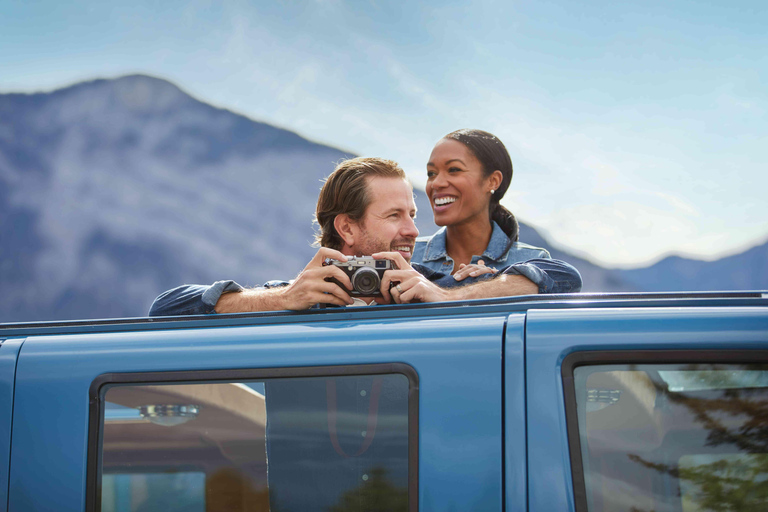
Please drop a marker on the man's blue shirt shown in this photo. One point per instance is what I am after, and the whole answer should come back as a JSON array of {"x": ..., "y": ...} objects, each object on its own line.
[{"x": 552, "y": 276}]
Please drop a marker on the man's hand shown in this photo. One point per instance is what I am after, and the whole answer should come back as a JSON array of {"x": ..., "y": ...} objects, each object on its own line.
[
  {"x": 407, "y": 285},
  {"x": 413, "y": 287},
  {"x": 311, "y": 286}
]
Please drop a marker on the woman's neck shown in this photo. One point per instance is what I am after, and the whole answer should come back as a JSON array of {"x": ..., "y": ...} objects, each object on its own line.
[{"x": 462, "y": 241}]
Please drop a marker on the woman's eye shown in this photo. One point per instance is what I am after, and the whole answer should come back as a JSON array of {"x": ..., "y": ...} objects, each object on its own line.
[
  {"x": 430, "y": 174},
  {"x": 454, "y": 169}
]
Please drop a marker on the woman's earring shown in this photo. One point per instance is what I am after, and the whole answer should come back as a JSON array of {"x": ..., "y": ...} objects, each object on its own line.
[{"x": 492, "y": 191}]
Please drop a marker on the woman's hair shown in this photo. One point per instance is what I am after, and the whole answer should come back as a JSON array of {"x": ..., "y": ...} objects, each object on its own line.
[
  {"x": 493, "y": 156},
  {"x": 346, "y": 191}
]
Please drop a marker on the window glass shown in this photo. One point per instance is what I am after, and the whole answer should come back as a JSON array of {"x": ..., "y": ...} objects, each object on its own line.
[
  {"x": 674, "y": 437},
  {"x": 305, "y": 443},
  {"x": 150, "y": 492}
]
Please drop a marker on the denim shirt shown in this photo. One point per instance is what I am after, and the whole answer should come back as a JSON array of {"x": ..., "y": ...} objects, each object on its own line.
[
  {"x": 198, "y": 299},
  {"x": 535, "y": 263}
]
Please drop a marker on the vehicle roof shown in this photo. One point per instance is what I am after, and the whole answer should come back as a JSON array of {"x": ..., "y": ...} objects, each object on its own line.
[{"x": 503, "y": 305}]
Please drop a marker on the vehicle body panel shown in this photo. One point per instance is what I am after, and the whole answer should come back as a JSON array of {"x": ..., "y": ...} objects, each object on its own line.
[
  {"x": 457, "y": 360},
  {"x": 9, "y": 351},
  {"x": 553, "y": 335},
  {"x": 492, "y": 425}
]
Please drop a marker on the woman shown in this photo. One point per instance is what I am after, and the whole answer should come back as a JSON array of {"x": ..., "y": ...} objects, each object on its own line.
[{"x": 468, "y": 173}]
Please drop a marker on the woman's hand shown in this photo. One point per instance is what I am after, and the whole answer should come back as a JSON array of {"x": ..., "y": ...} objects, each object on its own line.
[{"x": 473, "y": 270}]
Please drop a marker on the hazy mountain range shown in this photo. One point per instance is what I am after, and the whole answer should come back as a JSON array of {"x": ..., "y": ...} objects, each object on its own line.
[{"x": 112, "y": 191}]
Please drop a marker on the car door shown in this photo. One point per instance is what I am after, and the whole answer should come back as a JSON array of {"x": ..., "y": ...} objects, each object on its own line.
[
  {"x": 9, "y": 351},
  {"x": 318, "y": 411},
  {"x": 647, "y": 408}
]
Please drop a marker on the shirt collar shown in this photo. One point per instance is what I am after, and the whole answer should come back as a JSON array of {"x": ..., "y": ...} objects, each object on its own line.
[
  {"x": 435, "y": 249},
  {"x": 498, "y": 243}
]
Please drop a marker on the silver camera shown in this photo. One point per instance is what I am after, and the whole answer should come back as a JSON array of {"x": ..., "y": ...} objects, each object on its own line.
[{"x": 365, "y": 273}]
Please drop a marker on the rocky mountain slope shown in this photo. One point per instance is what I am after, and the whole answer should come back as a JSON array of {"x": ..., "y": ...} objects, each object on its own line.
[{"x": 112, "y": 191}]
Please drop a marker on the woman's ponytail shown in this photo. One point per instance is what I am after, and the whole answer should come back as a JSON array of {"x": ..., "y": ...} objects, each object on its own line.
[{"x": 506, "y": 221}]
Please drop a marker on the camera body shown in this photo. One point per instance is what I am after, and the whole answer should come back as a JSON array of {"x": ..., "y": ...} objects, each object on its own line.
[{"x": 365, "y": 273}]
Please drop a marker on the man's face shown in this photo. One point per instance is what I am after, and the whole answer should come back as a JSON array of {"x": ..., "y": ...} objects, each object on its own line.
[{"x": 388, "y": 222}]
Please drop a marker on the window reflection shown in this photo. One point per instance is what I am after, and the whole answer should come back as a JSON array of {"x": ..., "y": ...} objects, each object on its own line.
[
  {"x": 674, "y": 437},
  {"x": 319, "y": 443}
]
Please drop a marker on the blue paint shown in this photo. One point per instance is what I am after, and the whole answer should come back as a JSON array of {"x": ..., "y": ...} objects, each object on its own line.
[
  {"x": 9, "y": 351},
  {"x": 457, "y": 359},
  {"x": 515, "y": 434},
  {"x": 552, "y": 335},
  {"x": 492, "y": 429}
]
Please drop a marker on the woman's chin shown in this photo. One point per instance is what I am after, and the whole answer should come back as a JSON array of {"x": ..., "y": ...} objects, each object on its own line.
[
  {"x": 443, "y": 215},
  {"x": 443, "y": 220}
]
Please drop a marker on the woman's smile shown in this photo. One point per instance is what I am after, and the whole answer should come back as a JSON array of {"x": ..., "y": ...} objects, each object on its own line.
[{"x": 455, "y": 184}]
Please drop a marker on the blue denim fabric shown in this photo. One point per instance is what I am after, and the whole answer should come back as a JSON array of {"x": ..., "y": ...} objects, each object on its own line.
[
  {"x": 196, "y": 299},
  {"x": 192, "y": 299},
  {"x": 551, "y": 276},
  {"x": 535, "y": 263}
]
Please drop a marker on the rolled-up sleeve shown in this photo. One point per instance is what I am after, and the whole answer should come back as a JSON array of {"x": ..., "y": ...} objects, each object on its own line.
[
  {"x": 551, "y": 276},
  {"x": 192, "y": 299}
]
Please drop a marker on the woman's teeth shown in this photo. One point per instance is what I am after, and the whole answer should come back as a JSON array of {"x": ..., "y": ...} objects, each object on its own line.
[{"x": 440, "y": 201}]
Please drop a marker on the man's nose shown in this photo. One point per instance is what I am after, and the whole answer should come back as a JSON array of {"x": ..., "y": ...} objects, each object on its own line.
[{"x": 410, "y": 229}]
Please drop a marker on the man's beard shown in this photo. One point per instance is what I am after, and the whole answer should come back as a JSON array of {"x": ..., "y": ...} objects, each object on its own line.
[{"x": 371, "y": 245}]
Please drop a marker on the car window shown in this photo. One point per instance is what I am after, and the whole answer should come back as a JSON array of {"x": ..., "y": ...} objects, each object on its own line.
[
  {"x": 690, "y": 437},
  {"x": 325, "y": 442}
]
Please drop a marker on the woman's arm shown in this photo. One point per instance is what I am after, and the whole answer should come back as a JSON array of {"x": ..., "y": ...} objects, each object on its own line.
[{"x": 551, "y": 276}]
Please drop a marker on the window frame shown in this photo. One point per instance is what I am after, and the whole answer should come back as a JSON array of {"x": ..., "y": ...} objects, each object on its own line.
[
  {"x": 611, "y": 357},
  {"x": 104, "y": 382}
]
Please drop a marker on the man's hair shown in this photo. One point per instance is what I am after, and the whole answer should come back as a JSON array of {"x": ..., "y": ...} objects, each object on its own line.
[{"x": 346, "y": 191}]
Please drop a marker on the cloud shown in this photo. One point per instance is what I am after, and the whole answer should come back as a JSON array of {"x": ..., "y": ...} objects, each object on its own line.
[
  {"x": 596, "y": 168},
  {"x": 620, "y": 230}
]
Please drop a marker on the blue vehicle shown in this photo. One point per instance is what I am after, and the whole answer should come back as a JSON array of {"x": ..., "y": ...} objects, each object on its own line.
[{"x": 571, "y": 402}]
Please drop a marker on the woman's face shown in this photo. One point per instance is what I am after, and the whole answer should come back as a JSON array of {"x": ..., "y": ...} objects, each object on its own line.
[{"x": 456, "y": 188}]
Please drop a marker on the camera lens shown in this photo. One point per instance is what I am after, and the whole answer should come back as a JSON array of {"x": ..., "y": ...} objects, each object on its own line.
[{"x": 366, "y": 281}]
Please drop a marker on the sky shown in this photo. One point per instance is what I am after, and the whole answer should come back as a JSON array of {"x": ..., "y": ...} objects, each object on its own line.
[{"x": 636, "y": 129}]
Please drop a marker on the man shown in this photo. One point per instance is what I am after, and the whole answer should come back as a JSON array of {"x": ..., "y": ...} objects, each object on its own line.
[{"x": 366, "y": 208}]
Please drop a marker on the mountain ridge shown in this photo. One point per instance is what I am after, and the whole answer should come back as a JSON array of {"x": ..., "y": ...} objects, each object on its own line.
[{"x": 114, "y": 190}]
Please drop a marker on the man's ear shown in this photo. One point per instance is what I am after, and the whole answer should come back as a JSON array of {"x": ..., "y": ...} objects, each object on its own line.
[{"x": 345, "y": 227}]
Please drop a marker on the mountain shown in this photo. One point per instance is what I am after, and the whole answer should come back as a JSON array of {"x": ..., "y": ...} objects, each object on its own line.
[
  {"x": 745, "y": 271},
  {"x": 594, "y": 277},
  {"x": 112, "y": 191}
]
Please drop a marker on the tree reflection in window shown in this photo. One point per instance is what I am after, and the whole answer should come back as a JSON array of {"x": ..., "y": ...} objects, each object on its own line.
[
  {"x": 377, "y": 494},
  {"x": 692, "y": 437}
]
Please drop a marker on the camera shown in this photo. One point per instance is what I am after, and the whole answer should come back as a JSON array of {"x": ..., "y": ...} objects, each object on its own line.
[{"x": 365, "y": 273}]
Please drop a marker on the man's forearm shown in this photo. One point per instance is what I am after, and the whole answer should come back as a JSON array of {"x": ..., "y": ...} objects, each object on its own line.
[
  {"x": 505, "y": 285},
  {"x": 250, "y": 300}
]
